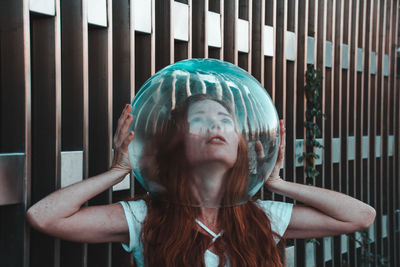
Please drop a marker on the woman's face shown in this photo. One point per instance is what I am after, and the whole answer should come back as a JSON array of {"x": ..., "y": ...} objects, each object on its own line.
[{"x": 212, "y": 135}]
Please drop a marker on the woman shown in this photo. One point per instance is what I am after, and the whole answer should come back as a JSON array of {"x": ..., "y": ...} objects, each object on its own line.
[{"x": 209, "y": 167}]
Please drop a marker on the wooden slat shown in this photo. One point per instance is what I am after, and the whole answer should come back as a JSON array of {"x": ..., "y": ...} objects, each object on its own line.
[
  {"x": 379, "y": 80},
  {"x": 397, "y": 137},
  {"x": 190, "y": 42},
  {"x": 74, "y": 100},
  {"x": 46, "y": 133},
  {"x": 143, "y": 66},
  {"x": 14, "y": 93},
  {"x": 100, "y": 117},
  {"x": 244, "y": 59},
  {"x": 200, "y": 40},
  {"x": 327, "y": 105},
  {"x": 257, "y": 41},
  {"x": 294, "y": 70},
  {"x": 123, "y": 31},
  {"x": 269, "y": 65},
  {"x": 230, "y": 17},
  {"x": 373, "y": 122},
  {"x": 11, "y": 88},
  {"x": 391, "y": 175},
  {"x": 143, "y": 58},
  {"x": 385, "y": 132},
  {"x": 368, "y": 164},
  {"x": 216, "y": 6},
  {"x": 280, "y": 60},
  {"x": 358, "y": 104},
  {"x": 337, "y": 91},
  {"x": 279, "y": 92},
  {"x": 394, "y": 107},
  {"x": 295, "y": 116},
  {"x": 269, "y": 62},
  {"x": 28, "y": 128},
  {"x": 344, "y": 117},
  {"x": 320, "y": 37},
  {"x": 258, "y": 59},
  {"x": 164, "y": 33},
  {"x": 123, "y": 49},
  {"x": 351, "y": 98}
]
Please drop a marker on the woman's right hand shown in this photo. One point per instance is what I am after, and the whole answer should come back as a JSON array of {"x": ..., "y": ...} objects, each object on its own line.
[
  {"x": 121, "y": 141},
  {"x": 61, "y": 213}
]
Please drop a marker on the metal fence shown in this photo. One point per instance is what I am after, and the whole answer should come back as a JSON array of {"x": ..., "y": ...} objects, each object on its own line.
[{"x": 67, "y": 67}]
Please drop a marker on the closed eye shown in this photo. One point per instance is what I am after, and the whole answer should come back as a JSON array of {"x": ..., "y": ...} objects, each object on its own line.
[
  {"x": 226, "y": 121},
  {"x": 196, "y": 120}
]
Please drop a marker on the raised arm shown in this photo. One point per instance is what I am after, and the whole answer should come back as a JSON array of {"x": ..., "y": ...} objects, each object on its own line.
[
  {"x": 60, "y": 214},
  {"x": 325, "y": 213}
]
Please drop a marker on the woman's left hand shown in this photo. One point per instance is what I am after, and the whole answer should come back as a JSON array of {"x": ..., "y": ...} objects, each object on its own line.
[{"x": 274, "y": 176}]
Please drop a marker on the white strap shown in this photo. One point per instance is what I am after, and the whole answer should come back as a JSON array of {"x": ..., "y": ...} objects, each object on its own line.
[{"x": 208, "y": 230}]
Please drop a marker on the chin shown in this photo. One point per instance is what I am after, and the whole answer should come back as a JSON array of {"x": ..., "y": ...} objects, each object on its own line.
[{"x": 223, "y": 160}]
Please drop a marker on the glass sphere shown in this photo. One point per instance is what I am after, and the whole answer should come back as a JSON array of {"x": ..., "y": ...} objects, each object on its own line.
[{"x": 206, "y": 134}]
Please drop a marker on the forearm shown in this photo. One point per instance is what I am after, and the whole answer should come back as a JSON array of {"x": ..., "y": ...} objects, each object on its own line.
[
  {"x": 66, "y": 201},
  {"x": 334, "y": 204}
]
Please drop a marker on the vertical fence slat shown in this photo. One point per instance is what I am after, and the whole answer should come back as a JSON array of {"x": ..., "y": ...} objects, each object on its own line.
[
  {"x": 123, "y": 88},
  {"x": 46, "y": 119},
  {"x": 337, "y": 109},
  {"x": 353, "y": 42},
  {"x": 385, "y": 134},
  {"x": 28, "y": 127},
  {"x": 164, "y": 33},
  {"x": 230, "y": 16},
  {"x": 380, "y": 117},
  {"x": 280, "y": 63},
  {"x": 74, "y": 100},
  {"x": 344, "y": 117},
  {"x": 295, "y": 115},
  {"x": 395, "y": 173},
  {"x": 200, "y": 40},
  {"x": 397, "y": 139},
  {"x": 14, "y": 131},
  {"x": 100, "y": 117},
  {"x": 379, "y": 172},
  {"x": 371, "y": 117},
  {"x": 367, "y": 43},
  {"x": 391, "y": 106},
  {"x": 320, "y": 48},
  {"x": 327, "y": 107},
  {"x": 257, "y": 41},
  {"x": 269, "y": 61}
]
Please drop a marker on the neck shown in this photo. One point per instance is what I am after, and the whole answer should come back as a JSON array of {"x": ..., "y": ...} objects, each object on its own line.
[{"x": 208, "y": 184}]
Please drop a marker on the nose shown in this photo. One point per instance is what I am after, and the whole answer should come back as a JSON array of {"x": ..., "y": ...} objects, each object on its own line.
[{"x": 214, "y": 125}]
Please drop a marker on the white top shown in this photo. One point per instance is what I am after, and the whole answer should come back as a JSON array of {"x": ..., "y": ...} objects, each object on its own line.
[{"x": 279, "y": 214}]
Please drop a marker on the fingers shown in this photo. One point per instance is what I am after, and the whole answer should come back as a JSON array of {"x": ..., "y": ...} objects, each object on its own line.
[
  {"x": 124, "y": 128},
  {"x": 283, "y": 132},
  {"x": 128, "y": 140},
  {"x": 282, "y": 146},
  {"x": 123, "y": 124},
  {"x": 259, "y": 150},
  {"x": 281, "y": 153}
]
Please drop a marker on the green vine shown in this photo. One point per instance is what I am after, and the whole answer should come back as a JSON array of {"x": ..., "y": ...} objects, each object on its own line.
[
  {"x": 313, "y": 114},
  {"x": 368, "y": 258}
]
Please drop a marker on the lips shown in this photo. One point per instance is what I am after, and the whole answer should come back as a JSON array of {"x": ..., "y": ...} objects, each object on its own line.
[{"x": 216, "y": 139}]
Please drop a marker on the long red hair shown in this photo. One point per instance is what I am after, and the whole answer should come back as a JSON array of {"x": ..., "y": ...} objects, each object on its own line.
[{"x": 170, "y": 234}]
